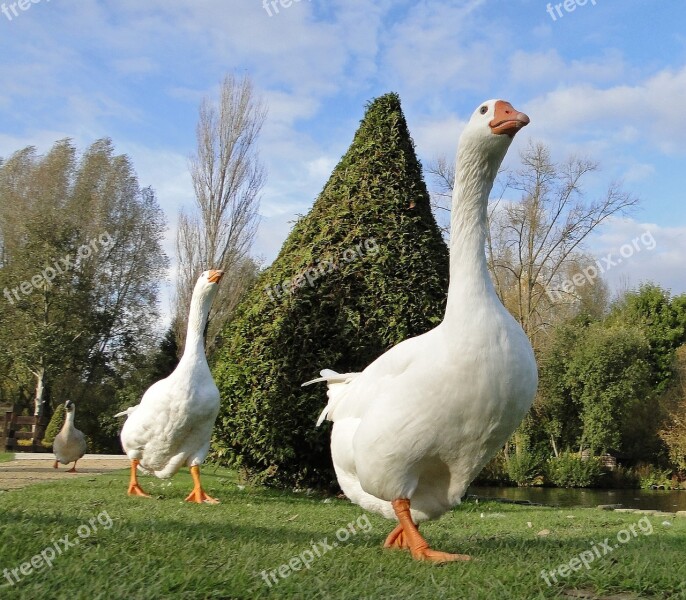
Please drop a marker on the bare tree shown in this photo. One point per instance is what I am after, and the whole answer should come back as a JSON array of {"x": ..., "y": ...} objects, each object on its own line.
[
  {"x": 535, "y": 245},
  {"x": 227, "y": 179}
]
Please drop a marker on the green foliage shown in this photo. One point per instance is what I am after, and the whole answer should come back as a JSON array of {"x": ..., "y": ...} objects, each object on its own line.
[
  {"x": 80, "y": 239},
  {"x": 54, "y": 426},
  {"x": 373, "y": 221},
  {"x": 596, "y": 389},
  {"x": 569, "y": 470},
  {"x": 651, "y": 477},
  {"x": 620, "y": 477},
  {"x": 603, "y": 384},
  {"x": 673, "y": 433},
  {"x": 663, "y": 320},
  {"x": 525, "y": 467},
  {"x": 608, "y": 373},
  {"x": 495, "y": 471},
  {"x": 556, "y": 414}
]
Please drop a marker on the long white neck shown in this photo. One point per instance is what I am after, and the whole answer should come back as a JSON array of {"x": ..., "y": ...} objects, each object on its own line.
[
  {"x": 469, "y": 278},
  {"x": 197, "y": 319},
  {"x": 69, "y": 420}
]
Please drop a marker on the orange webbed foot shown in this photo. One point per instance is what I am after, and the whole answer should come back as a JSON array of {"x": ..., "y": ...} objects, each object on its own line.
[
  {"x": 406, "y": 535},
  {"x": 439, "y": 557},
  {"x": 136, "y": 490},
  {"x": 198, "y": 495}
]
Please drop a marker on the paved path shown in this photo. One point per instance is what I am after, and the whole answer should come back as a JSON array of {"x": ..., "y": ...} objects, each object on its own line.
[{"x": 28, "y": 468}]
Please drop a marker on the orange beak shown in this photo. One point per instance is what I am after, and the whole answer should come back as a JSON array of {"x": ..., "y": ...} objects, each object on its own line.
[
  {"x": 507, "y": 120},
  {"x": 215, "y": 276}
]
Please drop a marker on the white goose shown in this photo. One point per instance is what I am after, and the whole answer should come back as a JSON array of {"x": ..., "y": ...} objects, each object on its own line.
[
  {"x": 172, "y": 425},
  {"x": 415, "y": 427},
  {"x": 70, "y": 443}
]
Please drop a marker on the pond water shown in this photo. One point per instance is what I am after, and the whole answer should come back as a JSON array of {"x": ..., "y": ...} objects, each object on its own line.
[{"x": 668, "y": 501}]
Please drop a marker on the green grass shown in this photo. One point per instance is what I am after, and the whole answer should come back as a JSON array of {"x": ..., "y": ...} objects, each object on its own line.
[
  {"x": 6, "y": 456},
  {"x": 165, "y": 548}
]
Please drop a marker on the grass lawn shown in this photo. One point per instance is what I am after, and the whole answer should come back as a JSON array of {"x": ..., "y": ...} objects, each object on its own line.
[
  {"x": 164, "y": 548},
  {"x": 6, "y": 456}
]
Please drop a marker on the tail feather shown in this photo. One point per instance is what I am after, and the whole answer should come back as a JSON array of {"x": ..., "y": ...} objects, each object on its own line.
[
  {"x": 126, "y": 412},
  {"x": 331, "y": 377},
  {"x": 336, "y": 389}
]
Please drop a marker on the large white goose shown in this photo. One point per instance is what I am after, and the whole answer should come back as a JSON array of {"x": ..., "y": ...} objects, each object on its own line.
[
  {"x": 415, "y": 427},
  {"x": 172, "y": 425},
  {"x": 70, "y": 443}
]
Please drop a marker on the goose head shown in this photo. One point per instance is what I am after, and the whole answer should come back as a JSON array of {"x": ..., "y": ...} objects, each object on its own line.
[
  {"x": 206, "y": 288},
  {"x": 208, "y": 283},
  {"x": 69, "y": 406},
  {"x": 491, "y": 128}
]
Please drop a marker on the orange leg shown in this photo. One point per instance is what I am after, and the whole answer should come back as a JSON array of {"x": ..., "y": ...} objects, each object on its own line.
[
  {"x": 73, "y": 469},
  {"x": 198, "y": 494},
  {"x": 55, "y": 465},
  {"x": 406, "y": 535},
  {"x": 134, "y": 488}
]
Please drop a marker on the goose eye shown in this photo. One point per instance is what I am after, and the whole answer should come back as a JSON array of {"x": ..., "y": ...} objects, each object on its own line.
[{"x": 483, "y": 110}]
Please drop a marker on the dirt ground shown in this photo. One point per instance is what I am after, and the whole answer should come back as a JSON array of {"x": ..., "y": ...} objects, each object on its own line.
[{"x": 36, "y": 468}]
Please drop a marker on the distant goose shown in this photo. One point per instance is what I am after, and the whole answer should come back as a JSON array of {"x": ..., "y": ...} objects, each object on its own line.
[
  {"x": 70, "y": 443},
  {"x": 172, "y": 425},
  {"x": 415, "y": 427}
]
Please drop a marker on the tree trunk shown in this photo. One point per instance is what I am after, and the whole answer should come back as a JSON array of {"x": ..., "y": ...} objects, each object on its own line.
[{"x": 41, "y": 399}]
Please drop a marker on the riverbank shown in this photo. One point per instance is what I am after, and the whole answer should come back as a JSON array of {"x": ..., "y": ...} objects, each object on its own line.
[{"x": 662, "y": 500}]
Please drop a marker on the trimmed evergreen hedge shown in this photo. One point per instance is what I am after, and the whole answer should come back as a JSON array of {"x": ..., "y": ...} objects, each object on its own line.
[
  {"x": 363, "y": 270},
  {"x": 55, "y": 425}
]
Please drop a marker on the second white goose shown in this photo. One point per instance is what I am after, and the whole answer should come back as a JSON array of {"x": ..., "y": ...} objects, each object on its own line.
[{"x": 172, "y": 425}]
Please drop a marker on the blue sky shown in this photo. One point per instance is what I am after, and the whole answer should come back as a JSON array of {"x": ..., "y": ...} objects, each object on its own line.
[{"x": 606, "y": 81}]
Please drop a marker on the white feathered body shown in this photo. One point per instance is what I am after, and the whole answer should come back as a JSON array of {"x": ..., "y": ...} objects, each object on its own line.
[
  {"x": 172, "y": 425},
  {"x": 421, "y": 424},
  {"x": 70, "y": 443}
]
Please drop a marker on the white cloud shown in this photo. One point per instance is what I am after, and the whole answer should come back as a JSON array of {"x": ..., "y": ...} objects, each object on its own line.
[
  {"x": 643, "y": 252},
  {"x": 638, "y": 114},
  {"x": 549, "y": 66}
]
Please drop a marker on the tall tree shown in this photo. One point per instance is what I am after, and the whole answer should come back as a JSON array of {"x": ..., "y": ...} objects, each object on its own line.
[
  {"x": 81, "y": 266},
  {"x": 363, "y": 270},
  {"x": 227, "y": 179}
]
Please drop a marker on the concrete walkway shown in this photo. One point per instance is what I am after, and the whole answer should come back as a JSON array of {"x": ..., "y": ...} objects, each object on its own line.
[{"x": 28, "y": 468}]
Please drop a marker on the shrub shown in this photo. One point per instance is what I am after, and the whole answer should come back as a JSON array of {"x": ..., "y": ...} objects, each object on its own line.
[
  {"x": 495, "y": 471},
  {"x": 570, "y": 470},
  {"x": 620, "y": 477},
  {"x": 365, "y": 269},
  {"x": 525, "y": 468},
  {"x": 651, "y": 477},
  {"x": 54, "y": 426}
]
